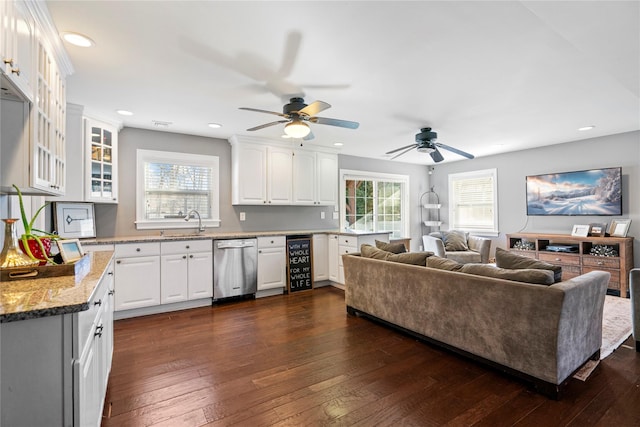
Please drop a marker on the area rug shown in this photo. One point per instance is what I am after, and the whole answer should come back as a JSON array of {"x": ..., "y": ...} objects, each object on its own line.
[{"x": 616, "y": 328}]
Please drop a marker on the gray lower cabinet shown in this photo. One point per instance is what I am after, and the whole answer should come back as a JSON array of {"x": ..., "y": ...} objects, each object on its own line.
[{"x": 54, "y": 369}]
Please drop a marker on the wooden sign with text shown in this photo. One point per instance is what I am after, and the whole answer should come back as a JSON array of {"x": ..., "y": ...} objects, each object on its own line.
[{"x": 299, "y": 256}]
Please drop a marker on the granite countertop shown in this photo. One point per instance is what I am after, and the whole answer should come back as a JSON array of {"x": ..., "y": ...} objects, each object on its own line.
[
  {"x": 167, "y": 237},
  {"x": 51, "y": 296}
]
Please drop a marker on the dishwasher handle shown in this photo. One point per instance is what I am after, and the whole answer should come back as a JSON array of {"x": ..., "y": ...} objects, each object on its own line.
[{"x": 231, "y": 244}]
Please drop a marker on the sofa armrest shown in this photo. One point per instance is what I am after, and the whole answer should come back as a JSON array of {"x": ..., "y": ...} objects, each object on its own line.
[
  {"x": 482, "y": 245},
  {"x": 433, "y": 244},
  {"x": 634, "y": 290}
]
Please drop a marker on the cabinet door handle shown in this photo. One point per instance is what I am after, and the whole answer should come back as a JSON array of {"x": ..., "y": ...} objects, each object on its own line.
[
  {"x": 118, "y": 262},
  {"x": 187, "y": 246},
  {"x": 557, "y": 259},
  {"x": 600, "y": 263},
  {"x": 190, "y": 256},
  {"x": 184, "y": 257},
  {"x": 111, "y": 292},
  {"x": 15, "y": 71},
  {"x": 9, "y": 61},
  {"x": 111, "y": 272},
  {"x": 98, "y": 332},
  {"x": 137, "y": 249},
  {"x": 98, "y": 303}
]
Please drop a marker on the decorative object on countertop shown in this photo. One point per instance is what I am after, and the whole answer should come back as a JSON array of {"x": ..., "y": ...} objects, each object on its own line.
[
  {"x": 603, "y": 250},
  {"x": 78, "y": 269},
  {"x": 12, "y": 255},
  {"x": 70, "y": 250},
  {"x": 36, "y": 247}
]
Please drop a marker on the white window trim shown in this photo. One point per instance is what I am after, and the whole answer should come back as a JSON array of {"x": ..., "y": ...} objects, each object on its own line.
[
  {"x": 348, "y": 174},
  {"x": 213, "y": 162},
  {"x": 484, "y": 172}
]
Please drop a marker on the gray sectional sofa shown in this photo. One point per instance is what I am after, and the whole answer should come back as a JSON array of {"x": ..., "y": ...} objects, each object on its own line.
[{"x": 540, "y": 333}]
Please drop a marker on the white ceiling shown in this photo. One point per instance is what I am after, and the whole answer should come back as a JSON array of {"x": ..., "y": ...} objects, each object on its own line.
[{"x": 489, "y": 77}]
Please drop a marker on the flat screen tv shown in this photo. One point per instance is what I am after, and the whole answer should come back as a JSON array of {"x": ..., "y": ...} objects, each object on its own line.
[{"x": 588, "y": 192}]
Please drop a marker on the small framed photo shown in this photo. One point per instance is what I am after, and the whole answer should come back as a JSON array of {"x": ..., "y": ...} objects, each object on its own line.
[
  {"x": 580, "y": 230},
  {"x": 74, "y": 220},
  {"x": 619, "y": 227},
  {"x": 597, "y": 230},
  {"x": 70, "y": 250}
]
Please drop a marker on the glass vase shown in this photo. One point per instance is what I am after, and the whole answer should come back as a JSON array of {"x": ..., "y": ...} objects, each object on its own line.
[{"x": 12, "y": 255}]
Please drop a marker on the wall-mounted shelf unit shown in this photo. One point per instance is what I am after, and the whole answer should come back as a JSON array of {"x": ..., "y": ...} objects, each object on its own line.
[{"x": 430, "y": 212}]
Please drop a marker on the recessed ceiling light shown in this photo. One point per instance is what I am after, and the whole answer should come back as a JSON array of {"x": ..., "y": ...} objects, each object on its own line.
[
  {"x": 78, "y": 39},
  {"x": 586, "y": 128},
  {"x": 124, "y": 112},
  {"x": 215, "y": 125},
  {"x": 338, "y": 144}
]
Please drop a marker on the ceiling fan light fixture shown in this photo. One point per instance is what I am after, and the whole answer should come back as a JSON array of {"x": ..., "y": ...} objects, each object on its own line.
[
  {"x": 426, "y": 149},
  {"x": 297, "y": 129}
]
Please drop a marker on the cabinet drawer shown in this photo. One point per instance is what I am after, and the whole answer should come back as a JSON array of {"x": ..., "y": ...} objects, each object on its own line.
[
  {"x": 615, "y": 275},
  {"x": 129, "y": 250},
  {"x": 570, "y": 271},
  {"x": 528, "y": 254},
  {"x": 348, "y": 241},
  {"x": 555, "y": 258},
  {"x": 601, "y": 262},
  {"x": 186, "y": 246},
  {"x": 271, "y": 242}
]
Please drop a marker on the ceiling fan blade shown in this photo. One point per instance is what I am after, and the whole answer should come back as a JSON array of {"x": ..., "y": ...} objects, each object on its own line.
[
  {"x": 401, "y": 148},
  {"x": 263, "y": 111},
  {"x": 334, "y": 122},
  {"x": 436, "y": 155},
  {"x": 405, "y": 151},
  {"x": 309, "y": 137},
  {"x": 314, "y": 108},
  {"x": 291, "y": 49},
  {"x": 455, "y": 150},
  {"x": 266, "y": 125}
]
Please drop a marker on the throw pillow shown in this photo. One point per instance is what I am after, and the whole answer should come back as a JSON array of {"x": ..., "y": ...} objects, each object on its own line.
[
  {"x": 369, "y": 251},
  {"x": 443, "y": 263},
  {"x": 510, "y": 260},
  {"x": 526, "y": 275},
  {"x": 454, "y": 240},
  {"x": 394, "y": 248},
  {"x": 414, "y": 258}
]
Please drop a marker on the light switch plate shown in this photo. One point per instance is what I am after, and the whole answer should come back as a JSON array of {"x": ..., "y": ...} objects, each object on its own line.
[{"x": 335, "y": 215}]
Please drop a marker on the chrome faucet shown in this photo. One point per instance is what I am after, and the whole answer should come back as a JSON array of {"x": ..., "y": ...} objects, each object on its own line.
[{"x": 188, "y": 217}]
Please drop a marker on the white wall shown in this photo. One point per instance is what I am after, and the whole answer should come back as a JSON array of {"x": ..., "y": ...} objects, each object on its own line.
[{"x": 609, "y": 151}]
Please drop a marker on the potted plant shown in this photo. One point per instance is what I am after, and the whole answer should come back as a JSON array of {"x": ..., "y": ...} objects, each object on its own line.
[{"x": 37, "y": 247}]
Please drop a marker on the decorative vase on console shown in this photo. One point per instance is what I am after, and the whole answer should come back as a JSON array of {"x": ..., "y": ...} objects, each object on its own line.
[{"x": 12, "y": 255}]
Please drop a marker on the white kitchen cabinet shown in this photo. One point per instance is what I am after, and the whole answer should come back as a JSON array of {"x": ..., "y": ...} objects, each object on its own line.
[
  {"x": 137, "y": 273},
  {"x": 55, "y": 369},
  {"x": 101, "y": 168},
  {"x": 186, "y": 270},
  {"x": 346, "y": 244},
  {"x": 272, "y": 262},
  {"x": 320, "y": 257},
  {"x": 261, "y": 175},
  {"x": 315, "y": 178},
  {"x": 332, "y": 251},
  {"x": 33, "y": 135},
  {"x": 17, "y": 44}
]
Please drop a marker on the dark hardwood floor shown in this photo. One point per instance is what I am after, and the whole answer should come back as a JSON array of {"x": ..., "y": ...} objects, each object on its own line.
[{"x": 300, "y": 360}]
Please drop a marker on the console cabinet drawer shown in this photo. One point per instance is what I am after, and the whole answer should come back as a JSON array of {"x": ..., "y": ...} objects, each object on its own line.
[
  {"x": 559, "y": 258},
  {"x": 601, "y": 262}
]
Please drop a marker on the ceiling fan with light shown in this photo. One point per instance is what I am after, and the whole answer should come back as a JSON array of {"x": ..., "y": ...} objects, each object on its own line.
[
  {"x": 296, "y": 114},
  {"x": 426, "y": 143}
]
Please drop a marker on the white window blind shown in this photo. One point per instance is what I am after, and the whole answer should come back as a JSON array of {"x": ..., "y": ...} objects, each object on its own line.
[
  {"x": 473, "y": 201},
  {"x": 170, "y": 185}
]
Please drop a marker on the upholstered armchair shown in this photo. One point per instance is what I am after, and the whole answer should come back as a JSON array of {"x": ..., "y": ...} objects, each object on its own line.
[
  {"x": 634, "y": 290},
  {"x": 458, "y": 246}
]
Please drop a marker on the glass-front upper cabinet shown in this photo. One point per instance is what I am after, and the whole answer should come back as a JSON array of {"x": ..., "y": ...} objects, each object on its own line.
[{"x": 102, "y": 144}]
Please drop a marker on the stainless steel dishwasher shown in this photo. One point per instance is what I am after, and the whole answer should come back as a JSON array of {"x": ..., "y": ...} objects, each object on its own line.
[{"x": 235, "y": 271}]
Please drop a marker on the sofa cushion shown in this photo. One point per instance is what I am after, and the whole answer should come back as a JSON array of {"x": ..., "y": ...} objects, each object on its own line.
[
  {"x": 395, "y": 248},
  {"x": 454, "y": 240},
  {"x": 443, "y": 263},
  {"x": 527, "y": 275},
  {"x": 510, "y": 260},
  {"x": 369, "y": 251},
  {"x": 415, "y": 258}
]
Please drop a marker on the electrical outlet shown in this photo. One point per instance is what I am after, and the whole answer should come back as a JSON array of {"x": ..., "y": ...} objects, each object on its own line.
[
  {"x": 242, "y": 216},
  {"x": 335, "y": 215},
  {"x": 322, "y": 215}
]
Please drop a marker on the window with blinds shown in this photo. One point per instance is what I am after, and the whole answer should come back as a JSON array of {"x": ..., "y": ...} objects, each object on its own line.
[
  {"x": 171, "y": 185},
  {"x": 473, "y": 201}
]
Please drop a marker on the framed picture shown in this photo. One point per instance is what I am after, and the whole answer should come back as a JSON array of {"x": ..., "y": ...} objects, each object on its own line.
[
  {"x": 70, "y": 250},
  {"x": 74, "y": 220},
  {"x": 597, "y": 230},
  {"x": 619, "y": 227},
  {"x": 580, "y": 230}
]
